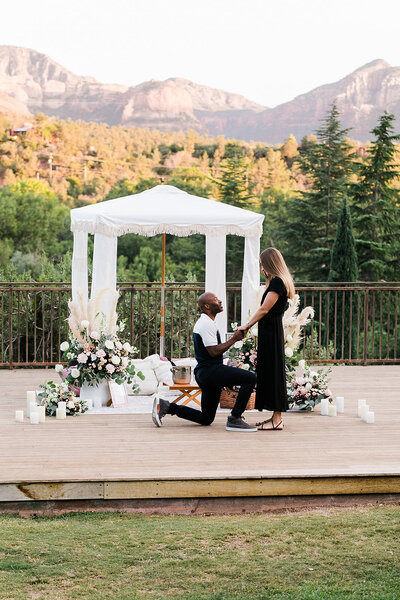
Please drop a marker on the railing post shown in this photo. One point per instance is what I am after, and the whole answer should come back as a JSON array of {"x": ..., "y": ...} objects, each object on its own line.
[
  {"x": 365, "y": 349},
  {"x": 10, "y": 327}
]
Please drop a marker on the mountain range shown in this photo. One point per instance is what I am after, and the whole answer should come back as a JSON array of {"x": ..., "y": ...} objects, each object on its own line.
[{"x": 31, "y": 82}]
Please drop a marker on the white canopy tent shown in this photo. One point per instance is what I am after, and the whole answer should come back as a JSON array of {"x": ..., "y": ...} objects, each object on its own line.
[{"x": 165, "y": 209}]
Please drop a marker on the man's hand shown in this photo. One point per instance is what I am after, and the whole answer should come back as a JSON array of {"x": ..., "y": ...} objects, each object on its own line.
[{"x": 238, "y": 334}]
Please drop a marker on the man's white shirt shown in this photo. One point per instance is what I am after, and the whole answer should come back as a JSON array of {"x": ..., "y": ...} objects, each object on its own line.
[{"x": 207, "y": 329}]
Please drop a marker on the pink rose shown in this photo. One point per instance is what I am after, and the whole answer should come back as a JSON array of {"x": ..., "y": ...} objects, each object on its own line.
[
  {"x": 100, "y": 353},
  {"x": 82, "y": 358},
  {"x": 110, "y": 368}
]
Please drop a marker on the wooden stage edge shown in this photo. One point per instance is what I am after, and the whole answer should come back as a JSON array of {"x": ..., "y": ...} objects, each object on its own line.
[{"x": 198, "y": 488}]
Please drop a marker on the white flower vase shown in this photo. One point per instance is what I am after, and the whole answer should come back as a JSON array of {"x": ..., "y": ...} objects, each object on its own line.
[{"x": 98, "y": 392}]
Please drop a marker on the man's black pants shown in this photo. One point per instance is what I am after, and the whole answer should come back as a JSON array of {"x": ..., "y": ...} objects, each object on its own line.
[{"x": 211, "y": 380}]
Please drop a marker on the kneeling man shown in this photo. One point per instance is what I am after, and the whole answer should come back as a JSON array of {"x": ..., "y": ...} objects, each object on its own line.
[{"x": 211, "y": 374}]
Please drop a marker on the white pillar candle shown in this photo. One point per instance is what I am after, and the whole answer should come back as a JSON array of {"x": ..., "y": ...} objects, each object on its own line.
[
  {"x": 61, "y": 413},
  {"x": 32, "y": 408},
  {"x": 89, "y": 403},
  {"x": 30, "y": 398},
  {"x": 41, "y": 411},
  {"x": 324, "y": 406},
  {"x": 19, "y": 416},
  {"x": 363, "y": 411},
  {"x": 370, "y": 418},
  {"x": 340, "y": 404},
  {"x": 34, "y": 418},
  {"x": 361, "y": 402},
  {"x": 332, "y": 410}
]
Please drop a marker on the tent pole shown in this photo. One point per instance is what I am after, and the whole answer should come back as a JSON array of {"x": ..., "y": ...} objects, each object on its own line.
[{"x": 162, "y": 328}]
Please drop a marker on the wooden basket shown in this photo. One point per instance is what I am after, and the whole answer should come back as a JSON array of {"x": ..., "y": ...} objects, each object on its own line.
[{"x": 228, "y": 399}]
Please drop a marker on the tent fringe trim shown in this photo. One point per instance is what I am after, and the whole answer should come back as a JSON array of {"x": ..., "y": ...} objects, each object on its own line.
[{"x": 255, "y": 231}]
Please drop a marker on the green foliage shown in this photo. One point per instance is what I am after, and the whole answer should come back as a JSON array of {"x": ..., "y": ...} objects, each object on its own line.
[
  {"x": 376, "y": 205},
  {"x": 32, "y": 219}
]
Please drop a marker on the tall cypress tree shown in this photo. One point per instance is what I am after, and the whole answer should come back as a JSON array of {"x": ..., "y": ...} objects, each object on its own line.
[
  {"x": 342, "y": 306},
  {"x": 376, "y": 206},
  {"x": 343, "y": 265},
  {"x": 328, "y": 163}
]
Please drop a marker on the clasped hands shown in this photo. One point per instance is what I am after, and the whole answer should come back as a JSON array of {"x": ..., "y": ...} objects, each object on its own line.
[{"x": 240, "y": 332}]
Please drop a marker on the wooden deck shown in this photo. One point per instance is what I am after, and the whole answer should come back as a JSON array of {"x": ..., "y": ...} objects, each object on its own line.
[{"x": 125, "y": 457}]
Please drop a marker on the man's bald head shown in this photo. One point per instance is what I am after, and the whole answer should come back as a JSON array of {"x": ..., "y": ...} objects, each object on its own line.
[{"x": 210, "y": 304}]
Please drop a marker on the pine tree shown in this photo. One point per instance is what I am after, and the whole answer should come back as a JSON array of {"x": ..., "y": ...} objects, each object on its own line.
[
  {"x": 328, "y": 165},
  {"x": 235, "y": 188},
  {"x": 376, "y": 206},
  {"x": 234, "y": 185},
  {"x": 342, "y": 304}
]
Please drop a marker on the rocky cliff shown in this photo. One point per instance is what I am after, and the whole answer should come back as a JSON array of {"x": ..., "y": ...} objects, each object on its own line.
[{"x": 34, "y": 82}]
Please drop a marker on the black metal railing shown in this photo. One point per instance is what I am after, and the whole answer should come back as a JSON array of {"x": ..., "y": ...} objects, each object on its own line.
[{"x": 352, "y": 324}]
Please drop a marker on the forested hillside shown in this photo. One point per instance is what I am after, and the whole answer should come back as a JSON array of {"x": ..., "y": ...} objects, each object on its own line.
[{"x": 54, "y": 165}]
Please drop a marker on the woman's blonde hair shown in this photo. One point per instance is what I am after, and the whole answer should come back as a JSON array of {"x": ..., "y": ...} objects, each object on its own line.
[{"x": 274, "y": 265}]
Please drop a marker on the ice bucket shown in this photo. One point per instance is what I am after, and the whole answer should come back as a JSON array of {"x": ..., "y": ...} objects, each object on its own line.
[{"x": 181, "y": 375}]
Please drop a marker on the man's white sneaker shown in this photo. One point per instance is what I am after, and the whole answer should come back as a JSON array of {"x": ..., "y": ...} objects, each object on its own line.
[{"x": 160, "y": 409}]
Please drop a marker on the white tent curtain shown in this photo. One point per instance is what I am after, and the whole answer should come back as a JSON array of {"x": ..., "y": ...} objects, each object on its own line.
[
  {"x": 104, "y": 270},
  {"x": 216, "y": 276},
  {"x": 80, "y": 266},
  {"x": 251, "y": 277}
]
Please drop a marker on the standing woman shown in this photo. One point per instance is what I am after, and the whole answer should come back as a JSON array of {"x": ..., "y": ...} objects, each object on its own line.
[{"x": 271, "y": 393}]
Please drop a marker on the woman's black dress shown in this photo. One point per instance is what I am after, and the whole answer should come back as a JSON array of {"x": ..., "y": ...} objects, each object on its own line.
[{"x": 271, "y": 391}]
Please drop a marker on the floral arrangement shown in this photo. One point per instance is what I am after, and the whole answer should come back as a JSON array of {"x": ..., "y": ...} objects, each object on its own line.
[
  {"x": 53, "y": 393},
  {"x": 306, "y": 388},
  {"x": 243, "y": 353},
  {"x": 95, "y": 352}
]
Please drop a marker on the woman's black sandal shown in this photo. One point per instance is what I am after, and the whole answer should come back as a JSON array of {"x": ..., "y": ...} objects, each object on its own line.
[{"x": 273, "y": 428}]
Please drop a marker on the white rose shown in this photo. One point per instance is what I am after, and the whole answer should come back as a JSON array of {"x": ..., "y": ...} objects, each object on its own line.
[
  {"x": 109, "y": 344},
  {"x": 95, "y": 335},
  {"x": 289, "y": 338},
  {"x": 127, "y": 347},
  {"x": 118, "y": 345},
  {"x": 245, "y": 366},
  {"x": 93, "y": 357},
  {"x": 115, "y": 360},
  {"x": 302, "y": 364},
  {"x": 238, "y": 344},
  {"x": 125, "y": 361},
  {"x": 308, "y": 386},
  {"x": 70, "y": 404},
  {"x": 75, "y": 373},
  {"x": 59, "y": 368},
  {"x": 64, "y": 346},
  {"x": 85, "y": 324},
  {"x": 289, "y": 352}
]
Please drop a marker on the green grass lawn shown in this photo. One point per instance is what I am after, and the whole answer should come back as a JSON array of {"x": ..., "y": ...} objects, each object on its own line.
[{"x": 329, "y": 555}]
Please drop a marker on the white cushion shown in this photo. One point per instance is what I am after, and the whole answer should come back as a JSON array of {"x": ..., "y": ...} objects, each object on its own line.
[
  {"x": 163, "y": 372},
  {"x": 150, "y": 382}
]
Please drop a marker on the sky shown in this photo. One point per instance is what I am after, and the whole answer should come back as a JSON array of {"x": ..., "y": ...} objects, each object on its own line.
[{"x": 267, "y": 50}]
